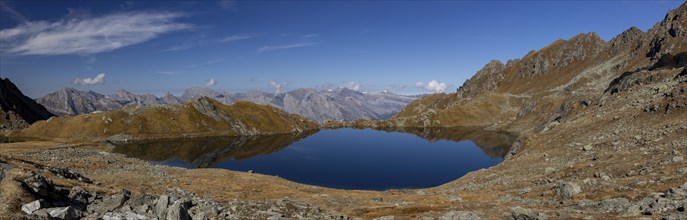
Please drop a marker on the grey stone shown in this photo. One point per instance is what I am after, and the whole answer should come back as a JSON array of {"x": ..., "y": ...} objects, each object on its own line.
[
  {"x": 178, "y": 210},
  {"x": 78, "y": 197},
  {"x": 455, "y": 199},
  {"x": 66, "y": 213},
  {"x": 31, "y": 207},
  {"x": 111, "y": 203},
  {"x": 161, "y": 206},
  {"x": 388, "y": 217},
  {"x": 38, "y": 185},
  {"x": 519, "y": 213},
  {"x": 588, "y": 147},
  {"x": 677, "y": 159},
  {"x": 568, "y": 189},
  {"x": 459, "y": 215},
  {"x": 4, "y": 168},
  {"x": 42, "y": 213}
]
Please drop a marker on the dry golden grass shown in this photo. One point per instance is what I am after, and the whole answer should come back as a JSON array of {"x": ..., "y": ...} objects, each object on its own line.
[{"x": 241, "y": 118}]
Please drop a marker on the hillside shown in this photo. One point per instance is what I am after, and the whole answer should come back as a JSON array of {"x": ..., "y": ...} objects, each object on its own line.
[
  {"x": 198, "y": 118},
  {"x": 339, "y": 105},
  {"x": 16, "y": 110},
  {"x": 551, "y": 84}
]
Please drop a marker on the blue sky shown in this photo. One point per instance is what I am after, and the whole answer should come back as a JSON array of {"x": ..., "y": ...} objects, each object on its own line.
[{"x": 160, "y": 46}]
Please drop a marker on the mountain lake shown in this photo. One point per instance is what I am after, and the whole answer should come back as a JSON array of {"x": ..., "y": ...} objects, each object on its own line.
[{"x": 340, "y": 158}]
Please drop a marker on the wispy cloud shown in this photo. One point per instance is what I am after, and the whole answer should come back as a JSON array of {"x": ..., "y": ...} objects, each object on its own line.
[
  {"x": 89, "y": 35},
  {"x": 164, "y": 72},
  {"x": 211, "y": 82},
  {"x": 91, "y": 59},
  {"x": 226, "y": 4},
  {"x": 288, "y": 46},
  {"x": 99, "y": 79},
  {"x": 184, "y": 46},
  {"x": 432, "y": 85},
  {"x": 7, "y": 11},
  {"x": 237, "y": 37},
  {"x": 310, "y": 35},
  {"x": 278, "y": 85}
]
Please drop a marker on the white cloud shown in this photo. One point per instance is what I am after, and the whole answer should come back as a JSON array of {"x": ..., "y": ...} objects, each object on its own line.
[
  {"x": 99, "y": 79},
  {"x": 237, "y": 37},
  {"x": 353, "y": 85},
  {"x": 289, "y": 46},
  {"x": 211, "y": 82},
  {"x": 88, "y": 35},
  {"x": 278, "y": 85},
  {"x": 432, "y": 86}
]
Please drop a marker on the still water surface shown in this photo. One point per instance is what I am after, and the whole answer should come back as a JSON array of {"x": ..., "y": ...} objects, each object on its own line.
[{"x": 341, "y": 158}]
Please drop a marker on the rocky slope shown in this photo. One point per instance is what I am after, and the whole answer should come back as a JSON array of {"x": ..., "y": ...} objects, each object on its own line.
[
  {"x": 198, "y": 118},
  {"x": 339, "y": 105},
  {"x": 16, "y": 110},
  {"x": 548, "y": 85}
]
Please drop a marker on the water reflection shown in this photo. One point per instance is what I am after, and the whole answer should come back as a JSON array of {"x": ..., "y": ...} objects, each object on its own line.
[
  {"x": 342, "y": 158},
  {"x": 206, "y": 152},
  {"x": 494, "y": 143}
]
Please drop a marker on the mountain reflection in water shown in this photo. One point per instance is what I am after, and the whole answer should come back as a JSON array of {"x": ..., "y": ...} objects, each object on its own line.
[{"x": 342, "y": 158}]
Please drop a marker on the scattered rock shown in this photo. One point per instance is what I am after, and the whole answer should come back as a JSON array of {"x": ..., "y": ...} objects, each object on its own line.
[
  {"x": 455, "y": 199},
  {"x": 588, "y": 147},
  {"x": 568, "y": 189},
  {"x": 519, "y": 213},
  {"x": 459, "y": 215}
]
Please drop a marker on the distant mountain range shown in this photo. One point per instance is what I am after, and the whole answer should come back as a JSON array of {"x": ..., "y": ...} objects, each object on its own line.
[{"x": 341, "y": 104}]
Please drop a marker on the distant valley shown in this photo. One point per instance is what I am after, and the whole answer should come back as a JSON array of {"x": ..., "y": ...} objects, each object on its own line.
[{"x": 341, "y": 104}]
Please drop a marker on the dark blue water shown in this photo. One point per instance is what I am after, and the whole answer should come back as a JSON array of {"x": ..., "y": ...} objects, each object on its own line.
[{"x": 341, "y": 158}]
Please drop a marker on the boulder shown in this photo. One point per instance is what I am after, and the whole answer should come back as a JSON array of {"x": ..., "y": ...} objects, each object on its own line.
[
  {"x": 520, "y": 213},
  {"x": 31, "y": 207},
  {"x": 179, "y": 210},
  {"x": 66, "y": 213},
  {"x": 161, "y": 206},
  {"x": 568, "y": 189}
]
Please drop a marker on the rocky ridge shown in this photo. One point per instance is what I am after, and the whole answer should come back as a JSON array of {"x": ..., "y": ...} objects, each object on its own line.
[
  {"x": 16, "y": 110},
  {"x": 339, "y": 105}
]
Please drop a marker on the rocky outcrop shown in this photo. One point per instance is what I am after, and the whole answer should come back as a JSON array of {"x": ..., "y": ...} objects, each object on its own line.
[
  {"x": 486, "y": 79},
  {"x": 16, "y": 110}
]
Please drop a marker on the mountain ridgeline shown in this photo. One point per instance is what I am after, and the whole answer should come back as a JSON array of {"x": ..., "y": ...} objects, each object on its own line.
[
  {"x": 16, "y": 110},
  {"x": 552, "y": 84},
  {"x": 202, "y": 117},
  {"x": 342, "y": 104}
]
